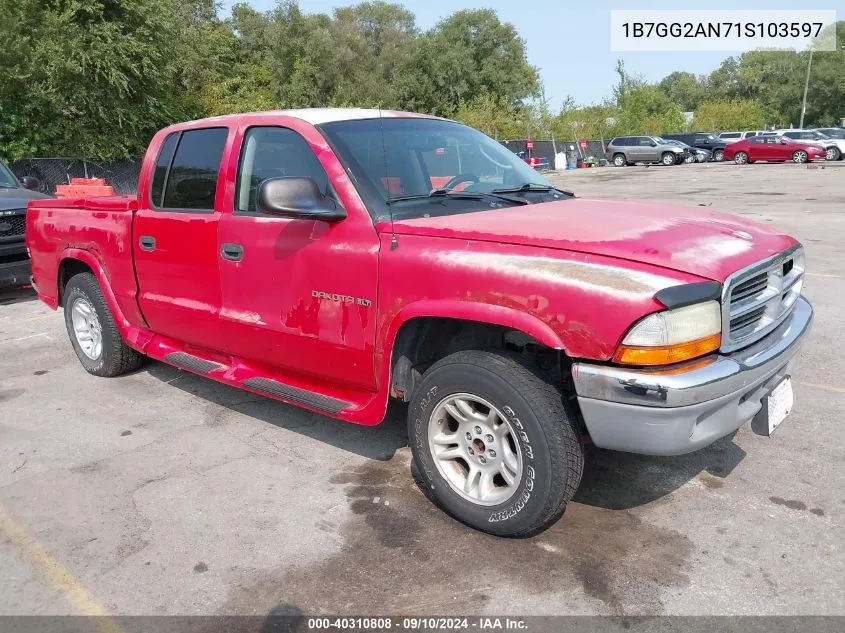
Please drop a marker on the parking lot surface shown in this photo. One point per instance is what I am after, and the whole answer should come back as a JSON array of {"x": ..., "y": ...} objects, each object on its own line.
[{"x": 164, "y": 493}]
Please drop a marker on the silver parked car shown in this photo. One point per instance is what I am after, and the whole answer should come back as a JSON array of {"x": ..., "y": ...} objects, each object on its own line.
[{"x": 628, "y": 150}]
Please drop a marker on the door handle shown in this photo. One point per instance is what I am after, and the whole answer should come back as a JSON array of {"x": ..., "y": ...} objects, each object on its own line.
[
  {"x": 147, "y": 243},
  {"x": 232, "y": 252}
]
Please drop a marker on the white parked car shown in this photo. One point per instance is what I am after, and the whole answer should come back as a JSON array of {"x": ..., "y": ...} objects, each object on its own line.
[
  {"x": 733, "y": 137},
  {"x": 834, "y": 148}
]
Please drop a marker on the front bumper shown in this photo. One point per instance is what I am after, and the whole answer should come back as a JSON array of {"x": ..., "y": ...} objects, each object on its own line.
[
  {"x": 679, "y": 410},
  {"x": 14, "y": 273}
]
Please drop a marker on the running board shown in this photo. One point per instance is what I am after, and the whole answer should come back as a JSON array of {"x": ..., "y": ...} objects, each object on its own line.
[
  {"x": 192, "y": 363},
  {"x": 296, "y": 395}
]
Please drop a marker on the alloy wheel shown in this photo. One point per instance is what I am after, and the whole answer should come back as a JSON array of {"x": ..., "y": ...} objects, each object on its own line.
[
  {"x": 475, "y": 449},
  {"x": 87, "y": 328}
]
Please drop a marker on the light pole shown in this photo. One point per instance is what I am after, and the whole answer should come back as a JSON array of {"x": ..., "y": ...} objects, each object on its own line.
[{"x": 806, "y": 85}]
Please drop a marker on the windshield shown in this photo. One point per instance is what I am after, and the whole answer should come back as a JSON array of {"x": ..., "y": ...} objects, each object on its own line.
[
  {"x": 834, "y": 133},
  {"x": 7, "y": 178},
  {"x": 397, "y": 162}
]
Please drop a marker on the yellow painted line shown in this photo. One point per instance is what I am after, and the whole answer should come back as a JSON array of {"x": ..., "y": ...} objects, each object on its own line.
[
  {"x": 55, "y": 574},
  {"x": 813, "y": 385}
]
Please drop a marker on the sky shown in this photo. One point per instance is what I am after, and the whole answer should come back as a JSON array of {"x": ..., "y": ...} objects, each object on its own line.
[{"x": 569, "y": 42}]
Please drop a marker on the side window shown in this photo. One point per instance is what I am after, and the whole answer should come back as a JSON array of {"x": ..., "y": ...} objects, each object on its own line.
[
  {"x": 165, "y": 157},
  {"x": 729, "y": 135},
  {"x": 273, "y": 152},
  {"x": 757, "y": 141},
  {"x": 192, "y": 181},
  {"x": 644, "y": 141},
  {"x": 750, "y": 134}
]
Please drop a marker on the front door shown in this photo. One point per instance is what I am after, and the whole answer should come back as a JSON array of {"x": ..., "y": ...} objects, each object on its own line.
[
  {"x": 175, "y": 238},
  {"x": 297, "y": 294}
]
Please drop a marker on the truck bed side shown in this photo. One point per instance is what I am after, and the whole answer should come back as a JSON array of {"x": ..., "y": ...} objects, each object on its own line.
[{"x": 66, "y": 235}]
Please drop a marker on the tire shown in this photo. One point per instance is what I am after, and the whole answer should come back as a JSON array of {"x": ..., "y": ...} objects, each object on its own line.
[
  {"x": 832, "y": 153},
  {"x": 668, "y": 158},
  {"x": 89, "y": 322},
  {"x": 719, "y": 155},
  {"x": 619, "y": 160},
  {"x": 530, "y": 427},
  {"x": 799, "y": 156},
  {"x": 741, "y": 158}
]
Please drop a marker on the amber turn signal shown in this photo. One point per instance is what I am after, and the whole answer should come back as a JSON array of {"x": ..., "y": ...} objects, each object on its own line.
[{"x": 668, "y": 354}]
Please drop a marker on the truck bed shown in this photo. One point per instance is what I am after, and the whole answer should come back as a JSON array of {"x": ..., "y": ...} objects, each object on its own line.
[{"x": 101, "y": 227}]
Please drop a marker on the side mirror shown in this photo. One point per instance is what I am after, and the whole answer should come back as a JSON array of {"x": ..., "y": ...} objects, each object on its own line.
[
  {"x": 652, "y": 143},
  {"x": 297, "y": 198},
  {"x": 784, "y": 140},
  {"x": 29, "y": 182}
]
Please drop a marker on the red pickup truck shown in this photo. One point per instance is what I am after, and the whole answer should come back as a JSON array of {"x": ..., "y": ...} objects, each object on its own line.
[{"x": 335, "y": 258}]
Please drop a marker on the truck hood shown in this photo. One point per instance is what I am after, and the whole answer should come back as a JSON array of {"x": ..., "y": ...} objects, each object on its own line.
[
  {"x": 17, "y": 198},
  {"x": 694, "y": 240}
]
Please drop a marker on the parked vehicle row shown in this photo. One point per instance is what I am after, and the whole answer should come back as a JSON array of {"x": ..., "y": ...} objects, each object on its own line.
[{"x": 799, "y": 146}]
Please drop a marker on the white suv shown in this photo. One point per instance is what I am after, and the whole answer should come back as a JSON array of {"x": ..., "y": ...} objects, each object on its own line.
[
  {"x": 834, "y": 148},
  {"x": 733, "y": 137}
]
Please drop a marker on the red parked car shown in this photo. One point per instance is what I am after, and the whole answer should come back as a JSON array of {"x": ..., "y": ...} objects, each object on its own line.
[
  {"x": 326, "y": 258},
  {"x": 772, "y": 149}
]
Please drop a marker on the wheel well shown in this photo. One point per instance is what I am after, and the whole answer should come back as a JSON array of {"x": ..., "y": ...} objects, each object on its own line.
[
  {"x": 67, "y": 269},
  {"x": 423, "y": 341}
]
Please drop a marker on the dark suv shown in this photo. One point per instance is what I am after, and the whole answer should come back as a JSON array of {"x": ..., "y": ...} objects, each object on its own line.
[
  {"x": 701, "y": 140},
  {"x": 14, "y": 194}
]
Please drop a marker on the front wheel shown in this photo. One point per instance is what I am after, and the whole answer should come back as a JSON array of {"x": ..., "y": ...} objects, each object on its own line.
[
  {"x": 741, "y": 158},
  {"x": 93, "y": 331},
  {"x": 493, "y": 443},
  {"x": 832, "y": 153},
  {"x": 799, "y": 156},
  {"x": 668, "y": 159},
  {"x": 718, "y": 155}
]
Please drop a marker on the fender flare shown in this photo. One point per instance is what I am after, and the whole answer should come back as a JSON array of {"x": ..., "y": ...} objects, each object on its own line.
[
  {"x": 467, "y": 311},
  {"x": 134, "y": 336}
]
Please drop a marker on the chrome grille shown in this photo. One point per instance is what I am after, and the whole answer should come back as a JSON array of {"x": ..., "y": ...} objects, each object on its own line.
[{"x": 755, "y": 300}]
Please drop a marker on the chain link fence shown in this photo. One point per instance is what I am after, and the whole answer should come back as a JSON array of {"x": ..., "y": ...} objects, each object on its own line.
[
  {"x": 123, "y": 174},
  {"x": 120, "y": 174}
]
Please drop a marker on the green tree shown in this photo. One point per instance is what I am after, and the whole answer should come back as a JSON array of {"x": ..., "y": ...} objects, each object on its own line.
[
  {"x": 683, "y": 88},
  {"x": 86, "y": 78},
  {"x": 735, "y": 114}
]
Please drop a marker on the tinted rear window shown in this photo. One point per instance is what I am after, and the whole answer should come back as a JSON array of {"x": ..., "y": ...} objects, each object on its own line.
[
  {"x": 730, "y": 135},
  {"x": 192, "y": 182},
  {"x": 165, "y": 156}
]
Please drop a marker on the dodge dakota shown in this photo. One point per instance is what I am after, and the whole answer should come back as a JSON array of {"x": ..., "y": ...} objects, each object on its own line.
[{"x": 336, "y": 258}]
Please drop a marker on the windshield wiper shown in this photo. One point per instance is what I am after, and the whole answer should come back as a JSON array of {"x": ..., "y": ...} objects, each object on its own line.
[
  {"x": 530, "y": 186},
  {"x": 460, "y": 195}
]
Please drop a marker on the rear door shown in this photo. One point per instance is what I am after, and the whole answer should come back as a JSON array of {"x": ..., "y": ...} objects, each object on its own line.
[{"x": 175, "y": 238}]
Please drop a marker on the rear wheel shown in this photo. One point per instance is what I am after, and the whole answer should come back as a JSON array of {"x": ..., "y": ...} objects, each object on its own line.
[
  {"x": 619, "y": 160},
  {"x": 668, "y": 158},
  {"x": 741, "y": 158},
  {"x": 93, "y": 331},
  {"x": 832, "y": 153},
  {"x": 719, "y": 155},
  {"x": 799, "y": 156},
  {"x": 493, "y": 443}
]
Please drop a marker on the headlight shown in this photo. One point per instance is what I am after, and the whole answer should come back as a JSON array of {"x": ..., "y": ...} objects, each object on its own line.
[{"x": 673, "y": 336}]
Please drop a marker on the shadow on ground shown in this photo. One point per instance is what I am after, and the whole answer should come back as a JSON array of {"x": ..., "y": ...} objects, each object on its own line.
[
  {"x": 375, "y": 442},
  {"x": 9, "y": 296},
  {"x": 611, "y": 480}
]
